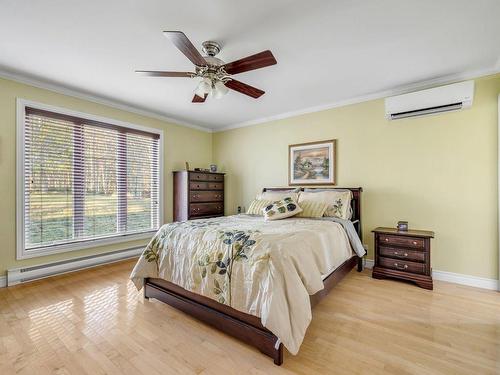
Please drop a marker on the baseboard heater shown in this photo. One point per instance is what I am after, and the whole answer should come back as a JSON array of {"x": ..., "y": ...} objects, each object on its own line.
[{"x": 26, "y": 274}]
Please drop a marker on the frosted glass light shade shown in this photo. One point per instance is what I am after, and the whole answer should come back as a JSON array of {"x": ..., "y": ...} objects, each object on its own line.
[
  {"x": 219, "y": 90},
  {"x": 204, "y": 87}
]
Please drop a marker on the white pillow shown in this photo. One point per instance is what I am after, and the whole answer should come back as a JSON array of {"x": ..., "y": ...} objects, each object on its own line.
[
  {"x": 281, "y": 209},
  {"x": 339, "y": 202}
]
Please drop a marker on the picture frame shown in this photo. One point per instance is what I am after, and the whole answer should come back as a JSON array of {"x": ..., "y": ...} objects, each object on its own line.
[{"x": 312, "y": 163}]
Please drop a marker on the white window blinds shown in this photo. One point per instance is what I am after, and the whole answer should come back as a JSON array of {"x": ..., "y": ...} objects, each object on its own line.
[{"x": 86, "y": 180}]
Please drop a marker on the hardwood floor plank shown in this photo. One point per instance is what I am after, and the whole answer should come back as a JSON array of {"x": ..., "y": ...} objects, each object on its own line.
[{"x": 95, "y": 322}]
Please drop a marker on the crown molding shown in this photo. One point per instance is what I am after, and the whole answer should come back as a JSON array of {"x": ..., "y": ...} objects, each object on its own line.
[
  {"x": 60, "y": 89},
  {"x": 422, "y": 85}
]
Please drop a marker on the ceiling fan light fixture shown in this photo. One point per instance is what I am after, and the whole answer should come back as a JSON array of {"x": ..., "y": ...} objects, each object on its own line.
[
  {"x": 215, "y": 74},
  {"x": 204, "y": 87},
  {"x": 219, "y": 90}
]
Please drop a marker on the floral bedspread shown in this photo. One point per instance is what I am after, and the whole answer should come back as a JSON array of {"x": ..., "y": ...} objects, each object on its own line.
[{"x": 264, "y": 268}]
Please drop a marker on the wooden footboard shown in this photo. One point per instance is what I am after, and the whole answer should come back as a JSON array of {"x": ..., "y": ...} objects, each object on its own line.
[{"x": 233, "y": 322}]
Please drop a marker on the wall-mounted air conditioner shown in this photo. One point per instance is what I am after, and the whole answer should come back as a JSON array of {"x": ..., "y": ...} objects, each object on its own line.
[{"x": 431, "y": 101}]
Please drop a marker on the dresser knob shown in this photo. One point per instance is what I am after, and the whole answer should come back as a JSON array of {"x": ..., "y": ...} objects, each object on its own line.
[
  {"x": 405, "y": 254},
  {"x": 386, "y": 240},
  {"x": 396, "y": 253},
  {"x": 414, "y": 242}
]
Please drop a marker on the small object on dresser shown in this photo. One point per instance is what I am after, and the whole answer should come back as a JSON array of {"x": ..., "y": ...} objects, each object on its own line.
[
  {"x": 402, "y": 226},
  {"x": 213, "y": 168},
  {"x": 187, "y": 166},
  {"x": 239, "y": 209},
  {"x": 404, "y": 255}
]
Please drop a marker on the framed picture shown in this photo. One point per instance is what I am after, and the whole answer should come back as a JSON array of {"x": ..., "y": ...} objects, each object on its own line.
[{"x": 312, "y": 163}]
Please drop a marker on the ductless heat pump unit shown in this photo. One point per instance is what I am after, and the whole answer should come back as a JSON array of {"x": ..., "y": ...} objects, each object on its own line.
[{"x": 431, "y": 101}]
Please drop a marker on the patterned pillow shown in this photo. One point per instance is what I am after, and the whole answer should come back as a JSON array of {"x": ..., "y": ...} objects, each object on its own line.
[
  {"x": 312, "y": 209},
  {"x": 281, "y": 209},
  {"x": 338, "y": 201},
  {"x": 257, "y": 206},
  {"x": 349, "y": 213}
]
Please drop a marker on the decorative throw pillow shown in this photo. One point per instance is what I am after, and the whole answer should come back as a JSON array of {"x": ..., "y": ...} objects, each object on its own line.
[
  {"x": 281, "y": 209},
  {"x": 257, "y": 206},
  {"x": 313, "y": 209},
  {"x": 339, "y": 201}
]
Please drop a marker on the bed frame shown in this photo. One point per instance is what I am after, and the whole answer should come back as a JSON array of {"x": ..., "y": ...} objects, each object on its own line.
[{"x": 236, "y": 323}]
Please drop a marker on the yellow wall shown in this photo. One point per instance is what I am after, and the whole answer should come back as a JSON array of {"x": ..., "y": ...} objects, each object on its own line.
[
  {"x": 180, "y": 144},
  {"x": 438, "y": 172}
]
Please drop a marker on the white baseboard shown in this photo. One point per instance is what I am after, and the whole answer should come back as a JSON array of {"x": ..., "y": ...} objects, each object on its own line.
[
  {"x": 457, "y": 278},
  {"x": 3, "y": 281},
  {"x": 30, "y": 273}
]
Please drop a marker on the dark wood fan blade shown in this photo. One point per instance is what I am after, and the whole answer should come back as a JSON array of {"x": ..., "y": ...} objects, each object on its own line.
[
  {"x": 244, "y": 88},
  {"x": 198, "y": 99},
  {"x": 181, "y": 41},
  {"x": 257, "y": 61},
  {"x": 155, "y": 73}
]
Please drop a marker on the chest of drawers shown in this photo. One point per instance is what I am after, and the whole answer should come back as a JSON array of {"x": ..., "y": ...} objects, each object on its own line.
[
  {"x": 403, "y": 255},
  {"x": 198, "y": 195}
]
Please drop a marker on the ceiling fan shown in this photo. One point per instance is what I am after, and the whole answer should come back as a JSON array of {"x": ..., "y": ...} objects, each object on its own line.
[{"x": 215, "y": 74}]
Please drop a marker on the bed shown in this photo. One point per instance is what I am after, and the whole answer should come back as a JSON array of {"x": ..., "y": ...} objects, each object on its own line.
[{"x": 247, "y": 293}]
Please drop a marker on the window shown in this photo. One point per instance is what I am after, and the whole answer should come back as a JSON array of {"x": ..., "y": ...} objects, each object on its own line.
[{"x": 84, "y": 181}]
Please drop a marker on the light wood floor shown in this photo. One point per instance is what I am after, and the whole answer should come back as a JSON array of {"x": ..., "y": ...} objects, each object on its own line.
[{"x": 95, "y": 322}]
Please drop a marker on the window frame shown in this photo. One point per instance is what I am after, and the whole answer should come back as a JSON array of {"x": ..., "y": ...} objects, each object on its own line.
[{"x": 21, "y": 251}]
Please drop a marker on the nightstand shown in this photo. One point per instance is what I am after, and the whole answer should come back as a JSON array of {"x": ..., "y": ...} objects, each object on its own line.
[{"x": 403, "y": 255}]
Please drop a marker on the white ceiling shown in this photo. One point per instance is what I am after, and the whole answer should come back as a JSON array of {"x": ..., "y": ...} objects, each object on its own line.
[{"x": 327, "y": 51}]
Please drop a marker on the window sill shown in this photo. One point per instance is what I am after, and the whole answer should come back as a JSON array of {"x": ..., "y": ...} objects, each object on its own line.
[{"x": 65, "y": 248}]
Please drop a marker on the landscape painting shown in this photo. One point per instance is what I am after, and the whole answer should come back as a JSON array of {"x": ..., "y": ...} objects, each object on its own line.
[{"x": 312, "y": 163}]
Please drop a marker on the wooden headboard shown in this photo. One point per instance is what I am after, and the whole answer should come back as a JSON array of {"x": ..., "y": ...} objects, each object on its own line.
[{"x": 355, "y": 202}]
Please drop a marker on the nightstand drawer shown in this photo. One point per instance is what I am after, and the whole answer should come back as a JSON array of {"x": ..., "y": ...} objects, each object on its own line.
[
  {"x": 414, "y": 242},
  {"x": 402, "y": 265},
  {"x": 399, "y": 253}
]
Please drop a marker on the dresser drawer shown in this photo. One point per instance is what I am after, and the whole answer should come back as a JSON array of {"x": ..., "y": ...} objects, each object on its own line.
[
  {"x": 215, "y": 177},
  {"x": 399, "y": 253},
  {"x": 216, "y": 185},
  {"x": 198, "y": 185},
  {"x": 402, "y": 265},
  {"x": 203, "y": 209},
  {"x": 199, "y": 176},
  {"x": 414, "y": 242},
  {"x": 206, "y": 196}
]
